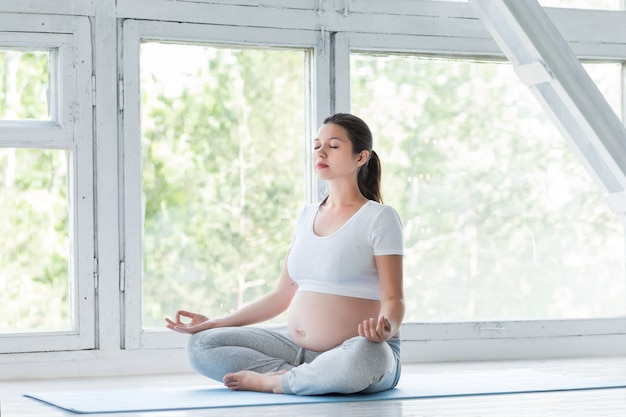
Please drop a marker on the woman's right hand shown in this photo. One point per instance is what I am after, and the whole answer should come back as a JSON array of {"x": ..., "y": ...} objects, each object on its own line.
[{"x": 196, "y": 323}]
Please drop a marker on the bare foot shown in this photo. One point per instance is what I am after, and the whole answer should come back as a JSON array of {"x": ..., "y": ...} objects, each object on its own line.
[{"x": 252, "y": 381}]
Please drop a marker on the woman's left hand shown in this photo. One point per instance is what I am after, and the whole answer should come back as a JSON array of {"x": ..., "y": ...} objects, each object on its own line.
[{"x": 375, "y": 331}]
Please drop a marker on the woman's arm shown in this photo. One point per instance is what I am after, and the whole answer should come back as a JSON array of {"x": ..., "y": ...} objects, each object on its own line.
[
  {"x": 264, "y": 308},
  {"x": 387, "y": 324}
]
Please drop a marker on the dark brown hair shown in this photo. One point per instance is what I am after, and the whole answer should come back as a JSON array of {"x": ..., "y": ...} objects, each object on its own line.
[{"x": 361, "y": 137}]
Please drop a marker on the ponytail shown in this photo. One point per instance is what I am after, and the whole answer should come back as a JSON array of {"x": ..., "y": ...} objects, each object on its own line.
[{"x": 369, "y": 178}]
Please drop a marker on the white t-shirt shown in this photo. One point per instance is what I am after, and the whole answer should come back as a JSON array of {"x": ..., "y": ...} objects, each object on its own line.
[{"x": 343, "y": 263}]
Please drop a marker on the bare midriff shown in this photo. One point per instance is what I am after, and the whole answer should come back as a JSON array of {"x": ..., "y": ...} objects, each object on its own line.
[{"x": 320, "y": 322}]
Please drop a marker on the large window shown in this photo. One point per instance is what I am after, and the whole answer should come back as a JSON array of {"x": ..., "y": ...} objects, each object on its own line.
[
  {"x": 215, "y": 185},
  {"x": 47, "y": 257},
  {"x": 164, "y": 169},
  {"x": 502, "y": 222},
  {"x": 33, "y": 204}
]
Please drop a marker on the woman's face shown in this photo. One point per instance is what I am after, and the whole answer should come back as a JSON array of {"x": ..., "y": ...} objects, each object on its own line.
[{"x": 333, "y": 156}]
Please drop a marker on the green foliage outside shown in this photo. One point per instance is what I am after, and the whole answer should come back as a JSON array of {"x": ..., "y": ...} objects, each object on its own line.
[
  {"x": 34, "y": 247},
  {"x": 34, "y": 219},
  {"x": 501, "y": 220},
  {"x": 223, "y": 168},
  {"x": 24, "y": 85}
]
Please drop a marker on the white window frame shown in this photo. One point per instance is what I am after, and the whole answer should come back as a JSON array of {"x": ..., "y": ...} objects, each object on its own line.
[
  {"x": 68, "y": 7},
  {"x": 71, "y": 129},
  {"x": 135, "y": 337},
  {"x": 332, "y": 28},
  {"x": 486, "y": 340},
  {"x": 355, "y": 26}
]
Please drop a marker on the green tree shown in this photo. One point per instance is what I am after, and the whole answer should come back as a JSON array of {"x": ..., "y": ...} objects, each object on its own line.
[
  {"x": 222, "y": 177},
  {"x": 34, "y": 207}
]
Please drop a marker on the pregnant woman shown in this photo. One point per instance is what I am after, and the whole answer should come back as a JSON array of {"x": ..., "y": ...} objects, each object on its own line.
[{"x": 341, "y": 281}]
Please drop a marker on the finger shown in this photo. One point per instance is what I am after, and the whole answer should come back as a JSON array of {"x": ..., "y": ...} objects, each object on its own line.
[
  {"x": 374, "y": 328},
  {"x": 387, "y": 325},
  {"x": 380, "y": 326},
  {"x": 363, "y": 329},
  {"x": 175, "y": 327},
  {"x": 178, "y": 314},
  {"x": 172, "y": 326},
  {"x": 184, "y": 313},
  {"x": 370, "y": 329}
]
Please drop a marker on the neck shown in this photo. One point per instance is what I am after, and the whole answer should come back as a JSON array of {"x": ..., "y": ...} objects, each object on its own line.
[{"x": 344, "y": 195}]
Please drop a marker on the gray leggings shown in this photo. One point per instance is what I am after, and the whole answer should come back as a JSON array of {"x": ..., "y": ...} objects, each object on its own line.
[{"x": 355, "y": 366}]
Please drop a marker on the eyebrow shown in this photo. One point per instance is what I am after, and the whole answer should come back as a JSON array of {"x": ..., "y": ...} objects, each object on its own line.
[{"x": 331, "y": 138}]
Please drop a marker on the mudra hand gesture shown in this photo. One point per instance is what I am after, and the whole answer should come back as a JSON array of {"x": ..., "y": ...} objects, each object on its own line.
[
  {"x": 375, "y": 331},
  {"x": 197, "y": 322}
]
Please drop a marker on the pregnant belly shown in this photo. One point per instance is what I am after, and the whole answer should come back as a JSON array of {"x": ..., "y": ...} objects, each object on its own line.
[{"x": 320, "y": 322}]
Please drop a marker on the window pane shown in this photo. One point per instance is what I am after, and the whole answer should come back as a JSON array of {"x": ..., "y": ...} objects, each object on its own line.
[
  {"x": 607, "y": 77},
  {"x": 34, "y": 249},
  {"x": 223, "y": 168},
  {"x": 501, "y": 219},
  {"x": 24, "y": 81}
]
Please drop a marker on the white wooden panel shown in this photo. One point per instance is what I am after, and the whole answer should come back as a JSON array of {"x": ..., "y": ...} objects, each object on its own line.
[
  {"x": 34, "y": 40},
  {"x": 36, "y": 23},
  {"x": 428, "y": 45},
  {"x": 323, "y": 104},
  {"x": 39, "y": 342},
  {"x": 512, "y": 329},
  {"x": 82, "y": 188},
  {"x": 132, "y": 216},
  {"x": 232, "y": 35},
  {"x": 34, "y": 135},
  {"x": 513, "y": 349},
  {"x": 427, "y": 25},
  {"x": 292, "y": 4},
  {"x": 69, "y": 7},
  {"x": 219, "y": 14},
  {"x": 109, "y": 322},
  {"x": 341, "y": 70}
]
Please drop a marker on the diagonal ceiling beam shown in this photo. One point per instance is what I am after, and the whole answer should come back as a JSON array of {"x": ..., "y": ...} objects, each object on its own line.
[{"x": 545, "y": 63}]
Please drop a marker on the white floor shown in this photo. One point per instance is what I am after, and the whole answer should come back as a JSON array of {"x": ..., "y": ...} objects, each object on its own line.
[{"x": 591, "y": 403}]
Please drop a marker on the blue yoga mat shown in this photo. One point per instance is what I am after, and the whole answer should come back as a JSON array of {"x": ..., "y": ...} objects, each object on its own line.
[{"x": 514, "y": 381}]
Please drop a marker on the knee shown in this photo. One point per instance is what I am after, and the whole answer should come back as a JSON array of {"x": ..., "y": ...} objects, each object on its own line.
[
  {"x": 367, "y": 354},
  {"x": 199, "y": 344},
  {"x": 203, "y": 353},
  {"x": 195, "y": 341}
]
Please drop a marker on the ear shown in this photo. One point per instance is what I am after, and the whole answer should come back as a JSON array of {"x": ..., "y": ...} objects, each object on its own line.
[{"x": 364, "y": 156}]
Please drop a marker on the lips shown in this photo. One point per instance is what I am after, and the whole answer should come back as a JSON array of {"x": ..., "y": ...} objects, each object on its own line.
[{"x": 321, "y": 166}]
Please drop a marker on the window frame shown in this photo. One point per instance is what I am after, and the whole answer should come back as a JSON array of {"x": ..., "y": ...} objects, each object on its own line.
[
  {"x": 70, "y": 129},
  {"x": 135, "y": 32},
  {"x": 421, "y": 26},
  {"x": 498, "y": 339}
]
